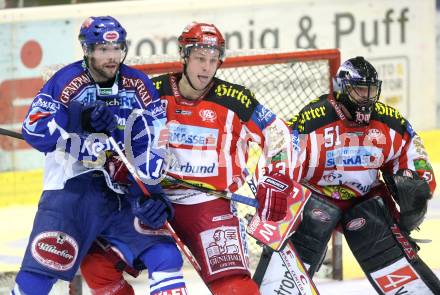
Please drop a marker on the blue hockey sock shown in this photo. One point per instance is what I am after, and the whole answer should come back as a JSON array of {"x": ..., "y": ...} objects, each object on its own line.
[{"x": 32, "y": 283}]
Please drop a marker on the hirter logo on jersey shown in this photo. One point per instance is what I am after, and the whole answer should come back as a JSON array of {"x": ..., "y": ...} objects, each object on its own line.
[
  {"x": 111, "y": 36},
  {"x": 208, "y": 115},
  {"x": 55, "y": 250}
]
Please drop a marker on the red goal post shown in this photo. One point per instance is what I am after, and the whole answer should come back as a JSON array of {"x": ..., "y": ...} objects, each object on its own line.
[{"x": 282, "y": 81}]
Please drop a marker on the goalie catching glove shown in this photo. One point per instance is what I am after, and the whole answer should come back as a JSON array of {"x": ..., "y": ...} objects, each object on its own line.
[
  {"x": 272, "y": 193},
  {"x": 412, "y": 194}
]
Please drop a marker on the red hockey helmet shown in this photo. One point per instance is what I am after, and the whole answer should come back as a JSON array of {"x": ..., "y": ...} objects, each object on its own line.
[{"x": 201, "y": 35}]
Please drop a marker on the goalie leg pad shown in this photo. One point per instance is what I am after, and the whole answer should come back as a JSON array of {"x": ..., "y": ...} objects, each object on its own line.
[
  {"x": 385, "y": 255},
  {"x": 320, "y": 217}
]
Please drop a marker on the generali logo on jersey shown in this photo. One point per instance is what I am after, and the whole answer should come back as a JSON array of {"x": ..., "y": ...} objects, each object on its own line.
[
  {"x": 208, "y": 115},
  {"x": 55, "y": 250},
  {"x": 222, "y": 249}
]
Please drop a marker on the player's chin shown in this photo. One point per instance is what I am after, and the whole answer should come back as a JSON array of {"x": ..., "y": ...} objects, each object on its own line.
[
  {"x": 203, "y": 83},
  {"x": 110, "y": 72}
]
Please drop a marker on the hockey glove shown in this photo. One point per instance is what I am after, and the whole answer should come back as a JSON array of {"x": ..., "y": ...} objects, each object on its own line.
[
  {"x": 412, "y": 194},
  {"x": 272, "y": 194},
  {"x": 98, "y": 118},
  {"x": 152, "y": 211}
]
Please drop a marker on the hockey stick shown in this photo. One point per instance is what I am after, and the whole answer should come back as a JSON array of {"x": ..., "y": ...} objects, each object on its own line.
[
  {"x": 286, "y": 250},
  {"x": 11, "y": 133},
  {"x": 134, "y": 173},
  {"x": 226, "y": 195},
  {"x": 176, "y": 238}
]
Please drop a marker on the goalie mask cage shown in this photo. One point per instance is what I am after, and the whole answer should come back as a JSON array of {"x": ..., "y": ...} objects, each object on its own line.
[{"x": 283, "y": 82}]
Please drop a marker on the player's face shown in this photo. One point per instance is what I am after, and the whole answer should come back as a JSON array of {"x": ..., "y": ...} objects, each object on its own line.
[
  {"x": 202, "y": 64},
  {"x": 362, "y": 94},
  {"x": 104, "y": 61}
]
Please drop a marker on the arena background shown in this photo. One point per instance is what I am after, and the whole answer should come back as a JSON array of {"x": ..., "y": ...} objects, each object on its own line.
[{"x": 398, "y": 36}]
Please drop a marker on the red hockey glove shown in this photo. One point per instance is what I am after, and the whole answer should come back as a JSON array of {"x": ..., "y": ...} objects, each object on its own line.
[
  {"x": 272, "y": 194},
  {"x": 117, "y": 170}
]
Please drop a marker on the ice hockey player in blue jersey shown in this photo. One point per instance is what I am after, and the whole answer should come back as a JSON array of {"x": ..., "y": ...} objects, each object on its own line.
[{"x": 84, "y": 195}]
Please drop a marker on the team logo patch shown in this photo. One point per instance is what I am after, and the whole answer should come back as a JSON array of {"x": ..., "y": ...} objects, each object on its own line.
[
  {"x": 331, "y": 177},
  {"x": 55, "y": 250},
  {"x": 320, "y": 215},
  {"x": 222, "y": 249},
  {"x": 111, "y": 36},
  {"x": 356, "y": 224},
  {"x": 264, "y": 115},
  {"x": 208, "y": 115},
  {"x": 374, "y": 134},
  {"x": 33, "y": 118},
  {"x": 209, "y": 40}
]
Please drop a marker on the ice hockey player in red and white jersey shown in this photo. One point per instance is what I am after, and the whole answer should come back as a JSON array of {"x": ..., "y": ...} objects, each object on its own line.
[
  {"x": 343, "y": 142},
  {"x": 211, "y": 124}
]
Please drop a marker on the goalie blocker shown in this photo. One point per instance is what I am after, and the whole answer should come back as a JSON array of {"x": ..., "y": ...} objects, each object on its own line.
[{"x": 384, "y": 253}]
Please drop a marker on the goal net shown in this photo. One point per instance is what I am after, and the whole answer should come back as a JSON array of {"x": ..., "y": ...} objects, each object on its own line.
[{"x": 283, "y": 82}]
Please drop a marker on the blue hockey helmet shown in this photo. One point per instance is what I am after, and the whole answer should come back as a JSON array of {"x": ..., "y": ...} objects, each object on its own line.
[{"x": 101, "y": 29}]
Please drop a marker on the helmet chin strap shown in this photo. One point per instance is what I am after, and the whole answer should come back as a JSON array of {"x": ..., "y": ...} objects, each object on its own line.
[{"x": 187, "y": 77}]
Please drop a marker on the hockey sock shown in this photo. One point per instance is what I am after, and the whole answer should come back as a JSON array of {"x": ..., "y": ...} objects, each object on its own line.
[{"x": 33, "y": 283}]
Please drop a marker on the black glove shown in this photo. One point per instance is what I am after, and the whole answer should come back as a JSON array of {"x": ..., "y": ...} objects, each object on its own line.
[
  {"x": 412, "y": 194},
  {"x": 152, "y": 211},
  {"x": 97, "y": 117}
]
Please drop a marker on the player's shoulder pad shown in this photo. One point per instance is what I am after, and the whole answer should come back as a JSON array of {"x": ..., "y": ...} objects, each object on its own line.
[
  {"x": 392, "y": 118},
  {"x": 66, "y": 82},
  {"x": 235, "y": 97},
  {"x": 138, "y": 81},
  {"x": 317, "y": 113}
]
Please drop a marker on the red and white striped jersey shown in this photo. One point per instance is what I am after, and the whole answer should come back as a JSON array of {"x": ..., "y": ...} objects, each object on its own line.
[
  {"x": 341, "y": 160},
  {"x": 210, "y": 137}
]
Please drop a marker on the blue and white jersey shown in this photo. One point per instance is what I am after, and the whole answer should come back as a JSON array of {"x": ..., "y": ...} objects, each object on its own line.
[{"x": 53, "y": 124}]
